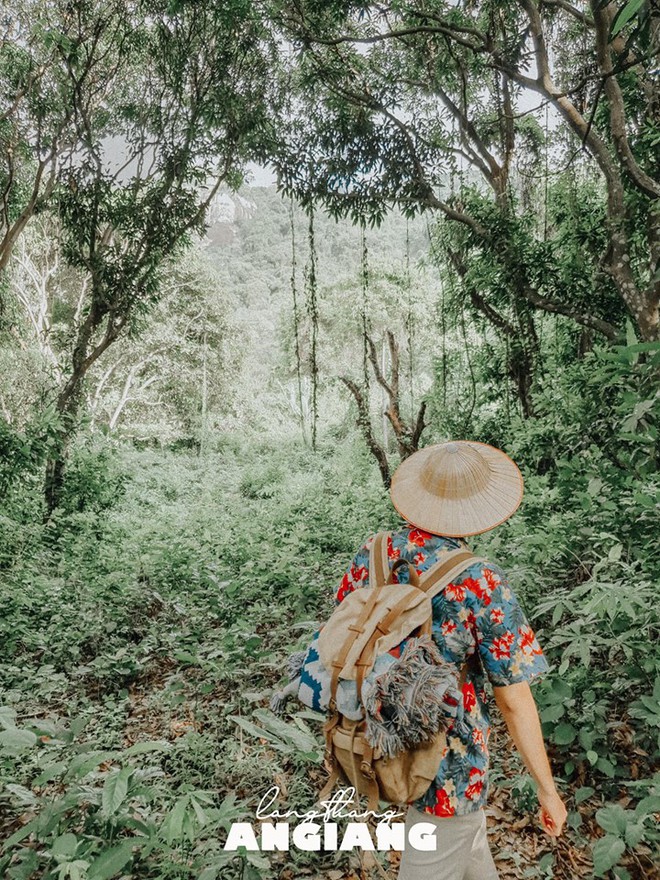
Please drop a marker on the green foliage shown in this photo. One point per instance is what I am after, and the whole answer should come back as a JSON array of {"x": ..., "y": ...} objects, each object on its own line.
[
  {"x": 199, "y": 586},
  {"x": 143, "y": 627},
  {"x": 624, "y": 830},
  {"x": 202, "y": 565},
  {"x": 22, "y": 452}
]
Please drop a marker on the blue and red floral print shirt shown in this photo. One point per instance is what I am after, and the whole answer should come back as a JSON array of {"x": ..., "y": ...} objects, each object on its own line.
[{"x": 476, "y": 620}]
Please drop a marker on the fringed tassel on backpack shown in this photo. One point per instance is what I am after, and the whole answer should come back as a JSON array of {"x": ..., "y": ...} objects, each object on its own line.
[
  {"x": 294, "y": 668},
  {"x": 294, "y": 664},
  {"x": 406, "y": 705}
]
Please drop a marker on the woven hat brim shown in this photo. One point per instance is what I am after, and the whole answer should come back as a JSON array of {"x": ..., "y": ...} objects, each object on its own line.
[{"x": 458, "y": 517}]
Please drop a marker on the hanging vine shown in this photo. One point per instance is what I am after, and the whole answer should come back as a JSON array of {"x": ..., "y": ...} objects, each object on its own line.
[
  {"x": 443, "y": 314},
  {"x": 545, "y": 228},
  {"x": 507, "y": 390},
  {"x": 364, "y": 306},
  {"x": 409, "y": 324},
  {"x": 473, "y": 380},
  {"x": 296, "y": 318},
  {"x": 312, "y": 311},
  {"x": 387, "y": 372}
]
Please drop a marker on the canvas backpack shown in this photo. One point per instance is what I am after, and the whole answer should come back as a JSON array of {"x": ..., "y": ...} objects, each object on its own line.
[{"x": 383, "y": 681}]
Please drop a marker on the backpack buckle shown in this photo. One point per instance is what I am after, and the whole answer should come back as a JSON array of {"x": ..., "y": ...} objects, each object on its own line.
[{"x": 367, "y": 770}]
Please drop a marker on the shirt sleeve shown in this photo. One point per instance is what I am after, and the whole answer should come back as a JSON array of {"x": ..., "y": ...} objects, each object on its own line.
[
  {"x": 508, "y": 647},
  {"x": 357, "y": 574}
]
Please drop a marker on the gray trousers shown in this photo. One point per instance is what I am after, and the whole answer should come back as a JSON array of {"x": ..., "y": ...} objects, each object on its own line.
[{"x": 461, "y": 851}]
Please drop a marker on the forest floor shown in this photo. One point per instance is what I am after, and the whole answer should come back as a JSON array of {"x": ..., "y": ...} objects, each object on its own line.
[
  {"x": 520, "y": 848},
  {"x": 191, "y": 587}
]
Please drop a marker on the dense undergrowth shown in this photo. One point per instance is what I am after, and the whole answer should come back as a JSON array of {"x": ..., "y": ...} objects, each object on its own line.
[{"x": 143, "y": 628}]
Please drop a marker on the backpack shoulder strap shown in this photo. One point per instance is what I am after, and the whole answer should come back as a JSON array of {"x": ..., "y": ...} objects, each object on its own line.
[
  {"x": 378, "y": 572},
  {"x": 379, "y": 565},
  {"x": 443, "y": 572}
]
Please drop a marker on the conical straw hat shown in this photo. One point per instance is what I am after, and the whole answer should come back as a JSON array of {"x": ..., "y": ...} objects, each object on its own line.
[{"x": 458, "y": 488}]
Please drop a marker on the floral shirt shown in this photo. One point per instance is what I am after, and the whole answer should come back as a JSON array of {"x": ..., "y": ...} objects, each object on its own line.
[{"x": 476, "y": 620}]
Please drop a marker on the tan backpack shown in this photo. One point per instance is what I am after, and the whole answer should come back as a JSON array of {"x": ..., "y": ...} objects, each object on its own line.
[{"x": 366, "y": 624}]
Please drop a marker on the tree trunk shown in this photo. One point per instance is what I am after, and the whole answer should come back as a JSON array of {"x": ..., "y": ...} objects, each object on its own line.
[
  {"x": 364, "y": 424},
  {"x": 70, "y": 398},
  {"x": 407, "y": 436},
  {"x": 68, "y": 408}
]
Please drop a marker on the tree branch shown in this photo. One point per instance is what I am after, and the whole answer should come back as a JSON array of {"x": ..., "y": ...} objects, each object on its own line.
[
  {"x": 639, "y": 177},
  {"x": 586, "y": 320},
  {"x": 420, "y": 424},
  {"x": 364, "y": 423}
]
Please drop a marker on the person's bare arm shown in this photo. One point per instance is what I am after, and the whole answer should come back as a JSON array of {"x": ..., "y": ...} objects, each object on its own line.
[{"x": 518, "y": 709}]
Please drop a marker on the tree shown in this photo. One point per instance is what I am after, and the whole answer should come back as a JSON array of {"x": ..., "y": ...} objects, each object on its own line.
[
  {"x": 58, "y": 62},
  {"x": 407, "y": 435},
  {"x": 173, "y": 378},
  {"x": 161, "y": 103},
  {"x": 393, "y": 97}
]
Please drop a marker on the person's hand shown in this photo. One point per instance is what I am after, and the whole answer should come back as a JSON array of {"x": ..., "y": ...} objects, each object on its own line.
[{"x": 553, "y": 812}]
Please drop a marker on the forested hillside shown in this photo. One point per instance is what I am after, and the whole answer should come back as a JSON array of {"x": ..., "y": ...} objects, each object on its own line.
[{"x": 205, "y": 387}]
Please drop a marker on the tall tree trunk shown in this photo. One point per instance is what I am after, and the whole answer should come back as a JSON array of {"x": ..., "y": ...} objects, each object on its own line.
[
  {"x": 69, "y": 410},
  {"x": 69, "y": 400}
]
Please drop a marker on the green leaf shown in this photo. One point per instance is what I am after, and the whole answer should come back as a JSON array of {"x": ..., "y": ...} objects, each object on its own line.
[
  {"x": 7, "y": 717},
  {"x": 631, "y": 336},
  {"x": 546, "y": 861},
  {"x": 605, "y": 766},
  {"x": 648, "y": 806},
  {"x": 77, "y": 870},
  {"x": 634, "y": 833},
  {"x": 560, "y": 692},
  {"x": 14, "y": 741},
  {"x": 21, "y": 833},
  {"x": 552, "y": 713},
  {"x": 594, "y": 486},
  {"x": 142, "y": 748},
  {"x": 612, "y": 819},
  {"x": 111, "y": 861},
  {"x": 115, "y": 791},
  {"x": 583, "y": 794},
  {"x": 259, "y": 861},
  {"x": 615, "y": 553},
  {"x": 574, "y": 820},
  {"x": 564, "y": 734},
  {"x": 299, "y": 736},
  {"x": 83, "y": 764},
  {"x": 310, "y": 715},
  {"x": 50, "y": 771},
  {"x": 186, "y": 658},
  {"x": 200, "y": 814},
  {"x": 172, "y": 827},
  {"x": 27, "y": 867},
  {"x": 606, "y": 853},
  {"x": 65, "y": 846},
  {"x": 257, "y": 732},
  {"x": 24, "y": 795},
  {"x": 621, "y": 19},
  {"x": 585, "y": 652}
]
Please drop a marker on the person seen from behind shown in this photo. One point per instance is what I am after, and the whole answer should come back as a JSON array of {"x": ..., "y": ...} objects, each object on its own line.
[{"x": 447, "y": 493}]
